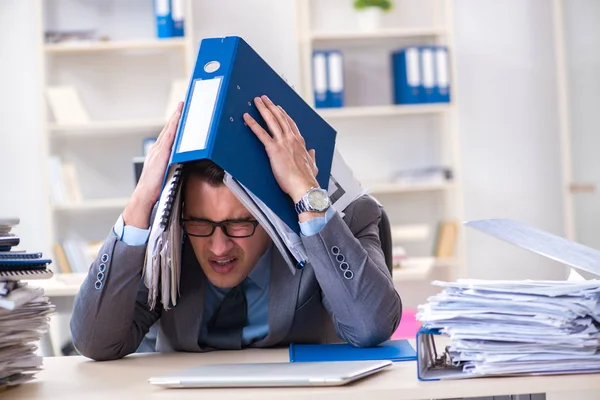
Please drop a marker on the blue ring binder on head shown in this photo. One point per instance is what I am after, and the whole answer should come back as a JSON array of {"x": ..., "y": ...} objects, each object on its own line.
[{"x": 228, "y": 75}]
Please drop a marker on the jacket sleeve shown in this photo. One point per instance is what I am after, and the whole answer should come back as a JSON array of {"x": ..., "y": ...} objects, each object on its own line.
[
  {"x": 349, "y": 265},
  {"x": 111, "y": 316}
]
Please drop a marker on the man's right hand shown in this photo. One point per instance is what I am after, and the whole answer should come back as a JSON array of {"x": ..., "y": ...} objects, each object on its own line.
[{"x": 147, "y": 192}]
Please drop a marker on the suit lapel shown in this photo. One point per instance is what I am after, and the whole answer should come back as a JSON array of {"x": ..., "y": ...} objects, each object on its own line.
[
  {"x": 283, "y": 296},
  {"x": 191, "y": 309}
]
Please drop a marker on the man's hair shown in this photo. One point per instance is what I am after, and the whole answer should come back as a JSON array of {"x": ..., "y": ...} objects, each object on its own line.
[{"x": 205, "y": 170}]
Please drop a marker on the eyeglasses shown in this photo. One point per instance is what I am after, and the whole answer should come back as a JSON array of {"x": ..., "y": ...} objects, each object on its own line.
[{"x": 235, "y": 228}]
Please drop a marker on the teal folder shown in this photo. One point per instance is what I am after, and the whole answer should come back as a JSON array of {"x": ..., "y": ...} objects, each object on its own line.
[{"x": 393, "y": 350}]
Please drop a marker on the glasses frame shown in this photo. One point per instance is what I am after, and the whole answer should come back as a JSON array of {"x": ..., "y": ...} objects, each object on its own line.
[{"x": 220, "y": 224}]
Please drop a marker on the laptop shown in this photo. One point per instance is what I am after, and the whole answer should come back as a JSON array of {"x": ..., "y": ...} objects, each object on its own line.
[{"x": 330, "y": 373}]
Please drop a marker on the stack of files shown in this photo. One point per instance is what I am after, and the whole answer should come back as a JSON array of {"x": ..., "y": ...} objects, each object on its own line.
[
  {"x": 528, "y": 327},
  {"x": 420, "y": 74},
  {"x": 515, "y": 327},
  {"x": 328, "y": 78},
  {"x": 16, "y": 264},
  {"x": 24, "y": 311},
  {"x": 229, "y": 74},
  {"x": 24, "y": 315}
]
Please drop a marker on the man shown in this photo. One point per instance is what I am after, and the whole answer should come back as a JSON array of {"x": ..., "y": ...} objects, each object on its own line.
[{"x": 236, "y": 290}]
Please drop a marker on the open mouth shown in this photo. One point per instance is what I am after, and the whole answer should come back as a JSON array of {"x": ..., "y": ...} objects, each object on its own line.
[{"x": 223, "y": 265}]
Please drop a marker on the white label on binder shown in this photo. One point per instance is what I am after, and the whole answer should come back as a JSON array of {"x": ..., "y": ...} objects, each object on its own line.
[
  {"x": 320, "y": 73},
  {"x": 199, "y": 114},
  {"x": 428, "y": 68},
  {"x": 336, "y": 72},
  {"x": 413, "y": 73},
  {"x": 177, "y": 10},
  {"x": 441, "y": 61},
  {"x": 162, "y": 7}
]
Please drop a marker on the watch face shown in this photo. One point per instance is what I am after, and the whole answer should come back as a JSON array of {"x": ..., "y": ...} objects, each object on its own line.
[{"x": 318, "y": 199}]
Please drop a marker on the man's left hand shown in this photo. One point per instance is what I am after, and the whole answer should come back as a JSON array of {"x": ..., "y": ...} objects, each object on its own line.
[{"x": 293, "y": 165}]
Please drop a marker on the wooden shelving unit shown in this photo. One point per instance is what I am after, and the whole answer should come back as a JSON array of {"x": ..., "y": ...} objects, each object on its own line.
[{"x": 435, "y": 130}]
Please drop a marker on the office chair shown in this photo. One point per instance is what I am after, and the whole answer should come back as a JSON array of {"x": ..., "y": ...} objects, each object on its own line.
[{"x": 385, "y": 236}]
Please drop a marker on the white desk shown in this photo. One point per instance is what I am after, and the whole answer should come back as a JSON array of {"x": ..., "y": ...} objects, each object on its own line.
[
  {"x": 77, "y": 378},
  {"x": 60, "y": 285}
]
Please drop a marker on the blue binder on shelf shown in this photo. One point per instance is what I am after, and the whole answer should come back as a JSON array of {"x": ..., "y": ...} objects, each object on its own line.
[
  {"x": 441, "y": 91},
  {"x": 227, "y": 76},
  {"x": 164, "y": 21},
  {"x": 178, "y": 20},
  {"x": 407, "y": 76},
  {"x": 393, "y": 350},
  {"x": 427, "y": 58},
  {"x": 335, "y": 79},
  {"x": 320, "y": 82}
]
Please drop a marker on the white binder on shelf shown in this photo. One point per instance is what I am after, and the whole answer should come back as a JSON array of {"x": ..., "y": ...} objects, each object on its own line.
[
  {"x": 319, "y": 62},
  {"x": 428, "y": 74},
  {"x": 335, "y": 79}
]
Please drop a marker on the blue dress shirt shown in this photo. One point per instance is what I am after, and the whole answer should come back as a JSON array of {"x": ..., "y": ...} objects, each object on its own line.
[{"x": 255, "y": 286}]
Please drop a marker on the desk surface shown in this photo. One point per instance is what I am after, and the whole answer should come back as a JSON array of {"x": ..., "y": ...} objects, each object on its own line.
[
  {"x": 76, "y": 377},
  {"x": 60, "y": 285}
]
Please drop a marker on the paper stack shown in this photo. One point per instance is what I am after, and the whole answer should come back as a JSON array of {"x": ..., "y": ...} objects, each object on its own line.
[
  {"x": 24, "y": 311},
  {"x": 526, "y": 327}
]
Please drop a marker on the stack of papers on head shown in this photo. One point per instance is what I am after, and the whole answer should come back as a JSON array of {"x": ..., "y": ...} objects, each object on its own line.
[{"x": 509, "y": 327}]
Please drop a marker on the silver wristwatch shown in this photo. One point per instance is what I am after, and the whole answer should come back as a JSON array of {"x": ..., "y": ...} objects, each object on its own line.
[{"x": 315, "y": 199}]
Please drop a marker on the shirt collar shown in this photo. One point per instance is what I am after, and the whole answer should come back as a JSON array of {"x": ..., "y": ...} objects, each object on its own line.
[{"x": 260, "y": 274}]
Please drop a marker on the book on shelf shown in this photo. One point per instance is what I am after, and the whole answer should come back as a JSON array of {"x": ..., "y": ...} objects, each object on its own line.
[
  {"x": 421, "y": 74},
  {"x": 447, "y": 236},
  {"x": 64, "y": 182},
  {"x": 66, "y": 105},
  {"x": 75, "y": 255},
  {"x": 421, "y": 176}
]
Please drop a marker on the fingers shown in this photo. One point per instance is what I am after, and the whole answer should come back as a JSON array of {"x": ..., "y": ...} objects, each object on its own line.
[
  {"x": 313, "y": 156},
  {"x": 278, "y": 114},
  {"x": 290, "y": 122},
  {"x": 272, "y": 123},
  {"x": 168, "y": 132},
  {"x": 260, "y": 133}
]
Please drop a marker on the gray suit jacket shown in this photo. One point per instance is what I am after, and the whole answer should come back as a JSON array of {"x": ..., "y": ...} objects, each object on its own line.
[{"x": 317, "y": 304}]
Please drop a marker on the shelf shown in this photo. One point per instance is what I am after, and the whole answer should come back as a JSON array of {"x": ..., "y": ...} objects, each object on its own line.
[
  {"x": 97, "y": 46},
  {"x": 105, "y": 127},
  {"x": 60, "y": 285},
  {"x": 383, "y": 111},
  {"x": 380, "y": 34},
  {"x": 419, "y": 268},
  {"x": 390, "y": 187},
  {"x": 93, "y": 205}
]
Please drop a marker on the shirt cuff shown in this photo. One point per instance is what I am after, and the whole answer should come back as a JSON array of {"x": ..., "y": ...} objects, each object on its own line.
[
  {"x": 314, "y": 225},
  {"x": 130, "y": 235}
]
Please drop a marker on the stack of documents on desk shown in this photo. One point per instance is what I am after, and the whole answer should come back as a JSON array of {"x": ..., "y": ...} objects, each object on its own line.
[
  {"x": 518, "y": 327},
  {"x": 24, "y": 311}
]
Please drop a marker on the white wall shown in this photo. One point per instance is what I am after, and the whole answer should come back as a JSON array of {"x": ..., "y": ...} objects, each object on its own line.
[
  {"x": 509, "y": 129},
  {"x": 508, "y": 122},
  {"x": 22, "y": 191},
  {"x": 582, "y": 45}
]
